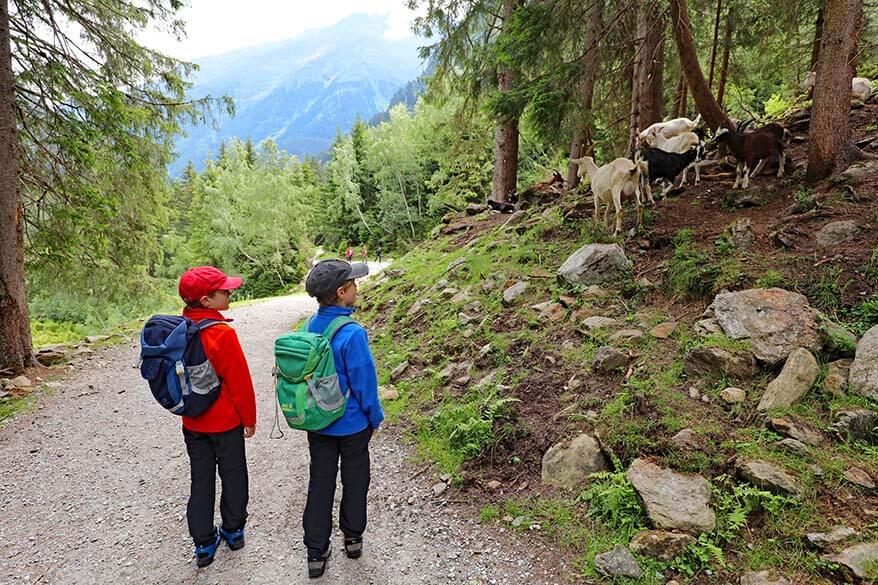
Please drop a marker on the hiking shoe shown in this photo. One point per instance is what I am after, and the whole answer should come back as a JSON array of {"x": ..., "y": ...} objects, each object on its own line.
[
  {"x": 316, "y": 566},
  {"x": 353, "y": 547},
  {"x": 204, "y": 554},
  {"x": 234, "y": 538}
]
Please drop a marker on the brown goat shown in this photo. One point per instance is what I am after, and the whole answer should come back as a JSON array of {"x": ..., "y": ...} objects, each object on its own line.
[{"x": 749, "y": 148}]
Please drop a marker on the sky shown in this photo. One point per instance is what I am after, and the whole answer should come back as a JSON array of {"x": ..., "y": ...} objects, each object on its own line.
[{"x": 220, "y": 26}]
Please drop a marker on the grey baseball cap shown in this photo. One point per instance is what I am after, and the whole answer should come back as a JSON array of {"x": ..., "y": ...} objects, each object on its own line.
[{"x": 327, "y": 275}]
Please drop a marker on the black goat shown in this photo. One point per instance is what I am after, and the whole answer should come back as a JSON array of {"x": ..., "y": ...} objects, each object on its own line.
[
  {"x": 667, "y": 165},
  {"x": 749, "y": 148}
]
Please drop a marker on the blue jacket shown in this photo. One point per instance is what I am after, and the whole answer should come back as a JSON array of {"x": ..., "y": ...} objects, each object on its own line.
[{"x": 356, "y": 370}]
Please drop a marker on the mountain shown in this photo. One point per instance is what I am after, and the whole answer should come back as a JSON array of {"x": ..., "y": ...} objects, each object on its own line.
[{"x": 302, "y": 91}]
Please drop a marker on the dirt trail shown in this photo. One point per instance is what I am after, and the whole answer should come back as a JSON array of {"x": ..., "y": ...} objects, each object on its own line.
[{"x": 95, "y": 482}]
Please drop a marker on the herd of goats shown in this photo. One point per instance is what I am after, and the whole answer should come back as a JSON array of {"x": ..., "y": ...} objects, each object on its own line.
[{"x": 667, "y": 149}]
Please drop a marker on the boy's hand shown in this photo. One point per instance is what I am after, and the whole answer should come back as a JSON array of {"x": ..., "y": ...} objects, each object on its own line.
[
  {"x": 375, "y": 432},
  {"x": 249, "y": 431}
]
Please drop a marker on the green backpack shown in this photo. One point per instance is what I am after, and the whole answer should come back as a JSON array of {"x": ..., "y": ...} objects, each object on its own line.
[{"x": 306, "y": 381}]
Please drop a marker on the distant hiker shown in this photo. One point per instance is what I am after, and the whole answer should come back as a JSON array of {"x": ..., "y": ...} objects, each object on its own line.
[
  {"x": 378, "y": 254},
  {"x": 349, "y": 254},
  {"x": 215, "y": 439},
  {"x": 332, "y": 283},
  {"x": 365, "y": 254}
]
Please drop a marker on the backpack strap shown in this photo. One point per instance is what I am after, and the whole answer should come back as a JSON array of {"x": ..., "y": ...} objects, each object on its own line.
[
  {"x": 205, "y": 323},
  {"x": 335, "y": 325},
  {"x": 306, "y": 328}
]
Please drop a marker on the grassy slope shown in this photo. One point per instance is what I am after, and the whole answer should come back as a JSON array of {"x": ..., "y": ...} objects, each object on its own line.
[{"x": 501, "y": 430}]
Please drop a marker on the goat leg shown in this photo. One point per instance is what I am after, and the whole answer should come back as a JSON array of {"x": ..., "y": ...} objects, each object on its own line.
[
  {"x": 746, "y": 183},
  {"x": 617, "y": 202},
  {"x": 758, "y": 168},
  {"x": 737, "y": 175},
  {"x": 683, "y": 180},
  {"x": 780, "y": 166}
]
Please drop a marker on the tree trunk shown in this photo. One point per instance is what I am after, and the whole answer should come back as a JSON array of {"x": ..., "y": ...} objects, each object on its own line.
[
  {"x": 818, "y": 35},
  {"x": 719, "y": 9},
  {"x": 15, "y": 340},
  {"x": 724, "y": 69},
  {"x": 581, "y": 144},
  {"x": 708, "y": 107},
  {"x": 830, "y": 146},
  {"x": 648, "y": 70},
  {"x": 506, "y": 134}
]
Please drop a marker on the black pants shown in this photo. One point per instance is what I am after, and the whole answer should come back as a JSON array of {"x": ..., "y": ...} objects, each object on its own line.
[
  {"x": 325, "y": 452},
  {"x": 206, "y": 452}
]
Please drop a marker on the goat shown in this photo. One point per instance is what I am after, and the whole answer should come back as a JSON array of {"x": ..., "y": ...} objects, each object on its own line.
[
  {"x": 678, "y": 145},
  {"x": 861, "y": 87},
  {"x": 609, "y": 182},
  {"x": 668, "y": 129},
  {"x": 667, "y": 165},
  {"x": 750, "y": 147}
]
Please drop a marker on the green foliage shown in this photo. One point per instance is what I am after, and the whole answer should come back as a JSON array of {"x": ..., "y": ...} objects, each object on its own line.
[
  {"x": 691, "y": 272},
  {"x": 612, "y": 499},
  {"x": 770, "y": 279}
]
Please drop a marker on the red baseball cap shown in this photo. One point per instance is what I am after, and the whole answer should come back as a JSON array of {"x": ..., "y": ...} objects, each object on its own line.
[{"x": 203, "y": 280}]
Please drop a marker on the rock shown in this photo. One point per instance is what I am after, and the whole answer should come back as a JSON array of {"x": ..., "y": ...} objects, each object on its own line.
[
  {"x": 857, "y": 425},
  {"x": 597, "y": 322},
  {"x": 694, "y": 393},
  {"x": 455, "y": 264},
  {"x": 594, "y": 292},
  {"x": 673, "y": 501},
  {"x": 629, "y": 335},
  {"x": 854, "y": 174},
  {"x": 752, "y": 197},
  {"x": 20, "y": 382},
  {"x": 96, "y": 338},
  {"x": 618, "y": 562},
  {"x": 439, "y": 489},
  {"x": 762, "y": 578},
  {"x": 837, "y": 232},
  {"x": 461, "y": 381},
  {"x": 594, "y": 264},
  {"x": 732, "y": 395},
  {"x": 449, "y": 292},
  {"x": 686, "y": 439},
  {"x": 705, "y": 361},
  {"x": 81, "y": 351},
  {"x": 794, "y": 445},
  {"x": 567, "y": 464},
  {"x": 494, "y": 485},
  {"x": 514, "y": 292},
  {"x": 465, "y": 319},
  {"x": 774, "y": 320},
  {"x": 660, "y": 544},
  {"x": 707, "y": 327},
  {"x": 417, "y": 309},
  {"x": 52, "y": 354},
  {"x": 644, "y": 282},
  {"x": 518, "y": 521},
  {"x": 551, "y": 311},
  {"x": 608, "y": 358},
  {"x": 388, "y": 393},
  {"x": 798, "y": 374},
  {"x": 475, "y": 208},
  {"x": 455, "y": 369},
  {"x": 859, "y": 477},
  {"x": 663, "y": 330},
  {"x": 860, "y": 559},
  {"x": 790, "y": 427},
  {"x": 398, "y": 371},
  {"x": 740, "y": 233},
  {"x": 836, "y": 378},
  {"x": 769, "y": 477},
  {"x": 836, "y": 340},
  {"x": 824, "y": 540},
  {"x": 863, "y": 377}
]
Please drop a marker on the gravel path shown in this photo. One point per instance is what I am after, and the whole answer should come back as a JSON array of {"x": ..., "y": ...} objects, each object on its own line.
[{"x": 95, "y": 483}]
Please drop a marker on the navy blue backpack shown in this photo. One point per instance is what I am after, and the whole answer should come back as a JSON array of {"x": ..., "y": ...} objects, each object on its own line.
[{"x": 173, "y": 361}]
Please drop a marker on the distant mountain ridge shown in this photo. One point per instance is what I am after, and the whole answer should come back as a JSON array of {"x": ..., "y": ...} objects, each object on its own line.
[{"x": 302, "y": 91}]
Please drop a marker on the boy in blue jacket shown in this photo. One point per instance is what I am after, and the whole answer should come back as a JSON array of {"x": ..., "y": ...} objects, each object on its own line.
[{"x": 332, "y": 283}]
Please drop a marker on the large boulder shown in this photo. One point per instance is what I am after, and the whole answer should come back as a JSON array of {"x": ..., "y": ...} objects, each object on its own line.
[
  {"x": 594, "y": 264},
  {"x": 798, "y": 374},
  {"x": 769, "y": 476},
  {"x": 863, "y": 377},
  {"x": 774, "y": 320},
  {"x": 673, "y": 501},
  {"x": 705, "y": 361},
  {"x": 860, "y": 559},
  {"x": 567, "y": 464}
]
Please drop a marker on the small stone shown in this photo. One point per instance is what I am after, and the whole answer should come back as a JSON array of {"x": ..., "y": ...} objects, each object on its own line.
[
  {"x": 461, "y": 381},
  {"x": 447, "y": 293},
  {"x": 790, "y": 427},
  {"x": 768, "y": 476},
  {"x": 618, "y": 562},
  {"x": 660, "y": 544},
  {"x": 673, "y": 501},
  {"x": 518, "y": 521},
  {"x": 644, "y": 282},
  {"x": 439, "y": 489},
  {"x": 388, "y": 393},
  {"x": 797, "y": 376},
  {"x": 663, "y": 330},
  {"x": 857, "y": 425},
  {"x": 824, "y": 540},
  {"x": 598, "y": 322},
  {"x": 21, "y": 382},
  {"x": 794, "y": 445},
  {"x": 96, "y": 338},
  {"x": 706, "y": 327},
  {"x": 594, "y": 264},
  {"x": 568, "y": 464},
  {"x": 398, "y": 371},
  {"x": 837, "y": 376},
  {"x": 686, "y": 439},
  {"x": 732, "y": 395},
  {"x": 762, "y": 578},
  {"x": 594, "y": 292},
  {"x": 567, "y": 301},
  {"x": 608, "y": 359},
  {"x": 512, "y": 294},
  {"x": 859, "y": 477},
  {"x": 694, "y": 393},
  {"x": 494, "y": 485},
  {"x": 465, "y": 319},
  {"x": 629, "y": 335}
]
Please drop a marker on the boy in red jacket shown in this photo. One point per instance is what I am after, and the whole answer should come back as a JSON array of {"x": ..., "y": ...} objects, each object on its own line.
[{"x": 215, "y": 438}]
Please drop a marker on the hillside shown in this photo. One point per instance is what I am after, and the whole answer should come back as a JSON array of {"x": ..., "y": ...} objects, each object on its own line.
[
  {"x": 303, "y": 91},
  {"x": 495, "y": 359}
]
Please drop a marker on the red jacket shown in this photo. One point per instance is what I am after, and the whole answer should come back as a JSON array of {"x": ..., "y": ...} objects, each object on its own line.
[{"x": 236, "y": 405}]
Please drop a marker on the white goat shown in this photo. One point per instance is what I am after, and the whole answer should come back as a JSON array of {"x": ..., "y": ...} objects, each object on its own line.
[
  {"x": 680, "y": 144},
  {"x": 861, "y": 87},
  {"x": 668, "y": 129},
  {"x": 609, "y": 182}
]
